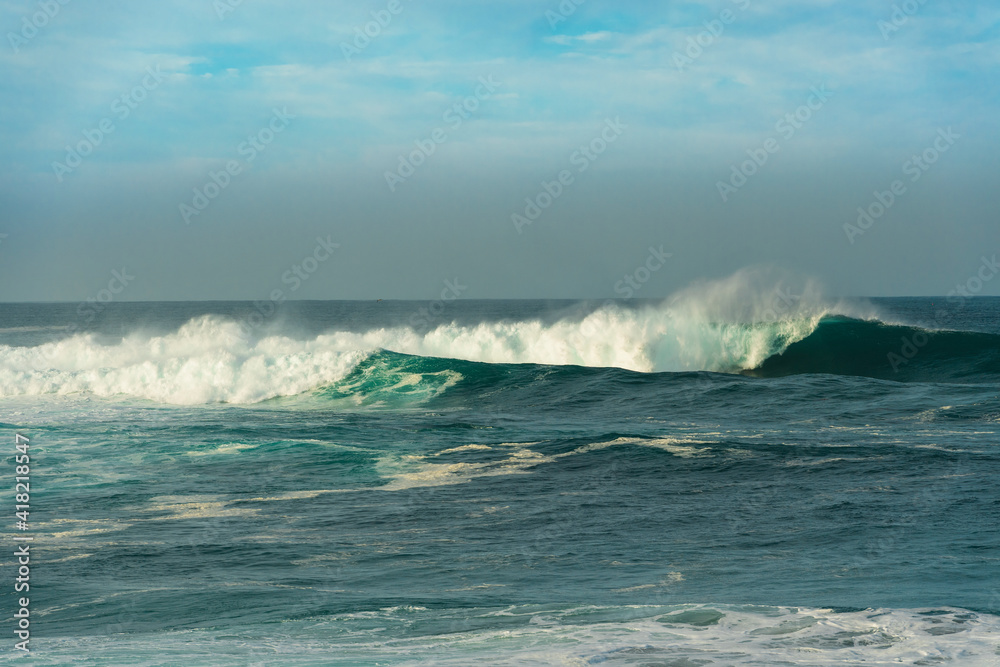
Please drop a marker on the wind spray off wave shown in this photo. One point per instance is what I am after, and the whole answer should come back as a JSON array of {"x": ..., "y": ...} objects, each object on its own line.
[{"x": 728, "y": 326}]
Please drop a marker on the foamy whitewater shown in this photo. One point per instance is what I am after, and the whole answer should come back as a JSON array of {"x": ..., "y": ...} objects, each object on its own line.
[
  {"x": 747, "y": 473},
  {"x": 723, "y": 327}
]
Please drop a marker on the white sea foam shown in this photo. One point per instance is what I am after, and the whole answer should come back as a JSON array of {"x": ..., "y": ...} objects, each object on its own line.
[
  {"x": 529, "y": 635},
  {"x": 205, "y": 361},
  {"x": 724, "y": 326},
  {"x": 415, "y": 471}
]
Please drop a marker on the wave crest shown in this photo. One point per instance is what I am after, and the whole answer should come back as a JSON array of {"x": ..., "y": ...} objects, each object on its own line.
[
  {"x": 731, "y": 325},
  {"x": 205, "y": 361}
]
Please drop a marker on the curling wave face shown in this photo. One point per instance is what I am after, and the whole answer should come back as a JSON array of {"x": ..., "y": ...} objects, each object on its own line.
[
  {"x": 209, "y": 359},
  {"x": 737, "y": 325}
]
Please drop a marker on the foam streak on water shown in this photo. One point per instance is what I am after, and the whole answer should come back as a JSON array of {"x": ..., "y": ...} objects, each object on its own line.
[{"x": 683, "y": 635}]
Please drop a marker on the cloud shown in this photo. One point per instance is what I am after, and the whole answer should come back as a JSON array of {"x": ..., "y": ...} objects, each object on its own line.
[
  {"x": 586, "y": 38},
  {"x": 356, "y": 116}
]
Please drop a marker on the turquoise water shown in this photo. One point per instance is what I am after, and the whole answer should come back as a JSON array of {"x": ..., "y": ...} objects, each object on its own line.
[{"x": 509, "y": 483}]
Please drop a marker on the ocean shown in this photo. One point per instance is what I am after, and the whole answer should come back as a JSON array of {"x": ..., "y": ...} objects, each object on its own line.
[{"x": 713, "y": 479}]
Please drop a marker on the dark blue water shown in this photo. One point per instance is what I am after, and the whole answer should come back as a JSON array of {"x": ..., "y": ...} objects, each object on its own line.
[{"x": 508, "y": 482}]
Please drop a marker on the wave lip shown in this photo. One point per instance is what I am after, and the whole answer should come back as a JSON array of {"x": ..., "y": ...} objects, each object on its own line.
[
  {"x": 206, "y": 361},
  {"x": 751, "y": 323},
  {"x": 846, "y": 346},
  {"x": 727, "y": 326}
]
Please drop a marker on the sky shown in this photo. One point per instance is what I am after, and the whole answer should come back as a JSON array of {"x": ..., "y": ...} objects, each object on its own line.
[{"x": 225, "y": 149}]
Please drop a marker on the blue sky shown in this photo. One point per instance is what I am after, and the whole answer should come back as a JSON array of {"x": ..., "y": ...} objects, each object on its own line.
[{"x": 221, "y": 78}]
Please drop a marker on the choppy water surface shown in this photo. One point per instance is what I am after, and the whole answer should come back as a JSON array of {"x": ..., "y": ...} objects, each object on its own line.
[{"x": 510, "y": 482}]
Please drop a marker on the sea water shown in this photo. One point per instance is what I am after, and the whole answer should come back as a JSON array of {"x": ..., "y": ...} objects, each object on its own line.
[{"x": 702, "y": 481}]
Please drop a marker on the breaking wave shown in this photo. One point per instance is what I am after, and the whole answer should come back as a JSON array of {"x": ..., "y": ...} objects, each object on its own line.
[{"x": 738, "y": 325}]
